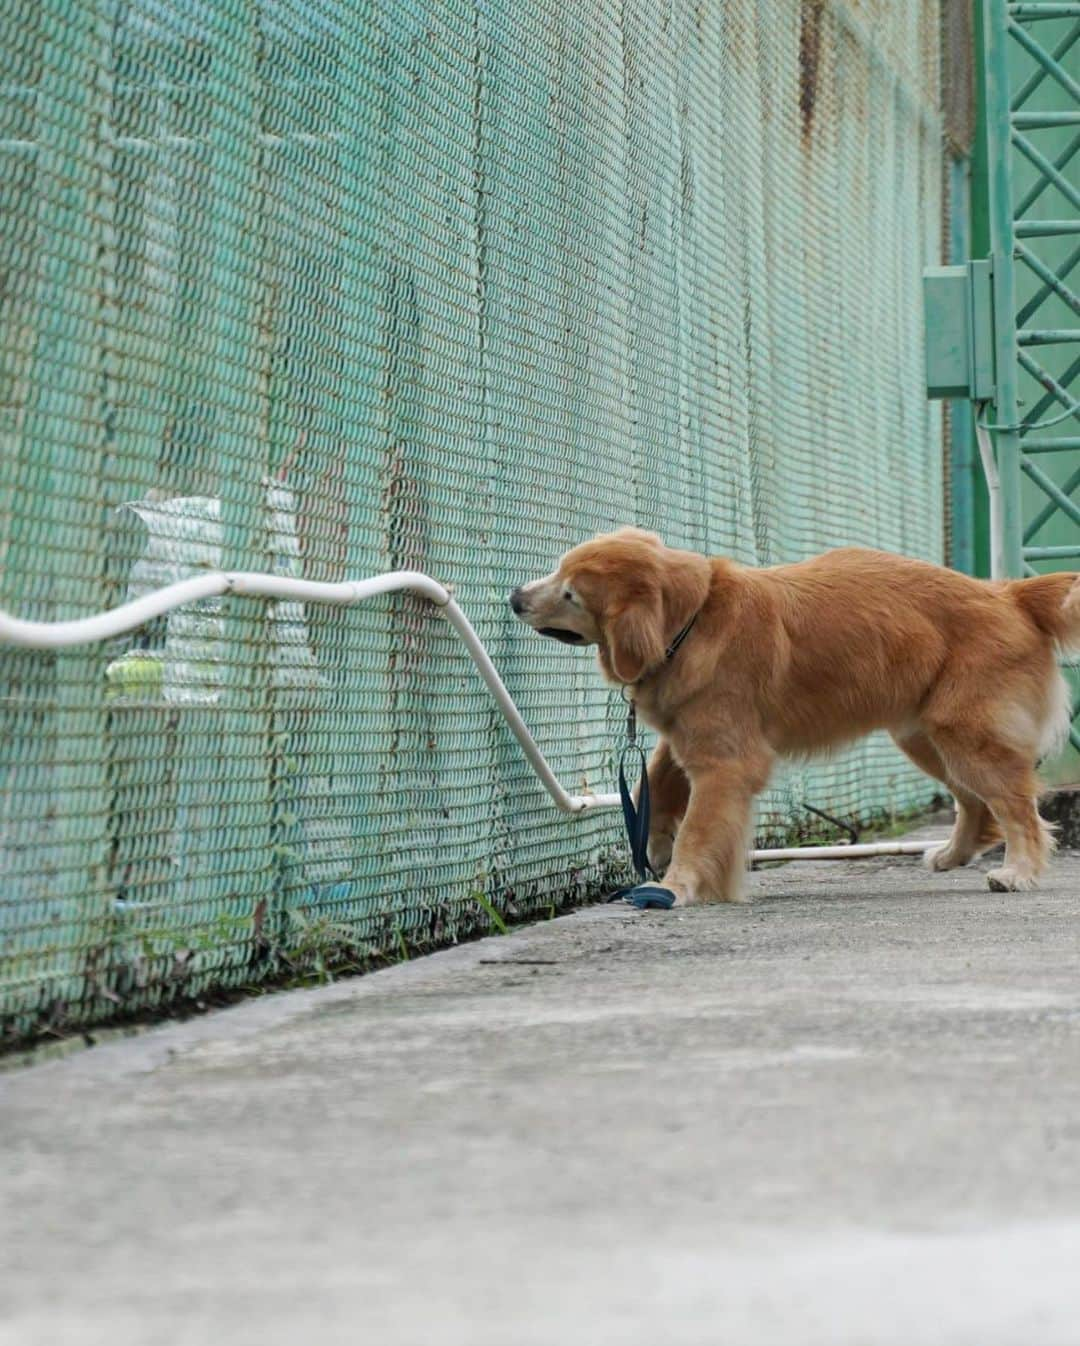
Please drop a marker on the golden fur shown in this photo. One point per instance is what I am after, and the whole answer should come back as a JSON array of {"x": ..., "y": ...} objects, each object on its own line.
[{"x": 797, "y": 659}]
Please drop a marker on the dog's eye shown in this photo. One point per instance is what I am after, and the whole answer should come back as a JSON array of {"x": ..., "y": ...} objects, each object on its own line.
[{"x": 569, "y": 596}]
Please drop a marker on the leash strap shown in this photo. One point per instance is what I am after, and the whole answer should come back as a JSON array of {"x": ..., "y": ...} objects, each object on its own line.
[{"x": 636, "y": 819}]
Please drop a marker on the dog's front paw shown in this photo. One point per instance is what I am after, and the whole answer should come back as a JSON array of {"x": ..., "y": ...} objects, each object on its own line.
[
  {"x": 1008, "y": 879},
  {"x": 695, "y": 897},
  {"x": 685, "y": 893}
]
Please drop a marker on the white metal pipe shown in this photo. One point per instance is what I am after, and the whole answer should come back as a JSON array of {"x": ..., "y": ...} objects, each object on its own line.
[
  {"x": 993, "y": 490},
  {"x": 250, "y": 584},
  {"x": 567, "y": 802},
  {"x": 103, "y": 626}
]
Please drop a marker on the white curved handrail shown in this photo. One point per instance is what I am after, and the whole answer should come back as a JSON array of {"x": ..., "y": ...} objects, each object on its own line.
[
  {"x": 249, "y": 584},
  {"x": 252, "y": 584}
]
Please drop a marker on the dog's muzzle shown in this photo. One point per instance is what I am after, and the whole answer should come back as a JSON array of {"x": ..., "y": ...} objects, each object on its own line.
[
  {"x": 520, "y": 608},
  {"x": 558, "y": 633}
]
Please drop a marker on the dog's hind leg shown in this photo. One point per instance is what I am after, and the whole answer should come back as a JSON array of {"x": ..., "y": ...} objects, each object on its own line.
[
  {"x": 975, "y": 830},
  {"x": 1003, "y": 775}
]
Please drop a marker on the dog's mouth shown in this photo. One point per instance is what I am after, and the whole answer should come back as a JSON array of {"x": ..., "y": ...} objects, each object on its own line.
[{"x": 559, "y": 633}]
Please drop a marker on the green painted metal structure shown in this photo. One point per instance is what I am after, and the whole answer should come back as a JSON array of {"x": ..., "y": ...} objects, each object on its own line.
[
  {"x": 1032, "y": 126},
  {"x": 1002, "y": 329},
  {"x": 330, "y": 289}
]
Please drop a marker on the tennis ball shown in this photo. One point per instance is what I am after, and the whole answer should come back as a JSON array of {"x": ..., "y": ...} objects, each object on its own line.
[{"x": 137, "y": 674}]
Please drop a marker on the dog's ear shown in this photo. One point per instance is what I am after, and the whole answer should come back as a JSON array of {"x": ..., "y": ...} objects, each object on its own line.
[
  {"x": 635, "y": 637},
  {"x": 685, "y": 578}
]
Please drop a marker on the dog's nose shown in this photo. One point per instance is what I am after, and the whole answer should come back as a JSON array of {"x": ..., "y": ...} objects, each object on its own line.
[{"x": 517, "y": 602}]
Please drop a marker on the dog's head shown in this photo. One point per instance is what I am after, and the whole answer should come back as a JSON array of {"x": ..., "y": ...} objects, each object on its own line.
[{"x": 625, "y": 592}]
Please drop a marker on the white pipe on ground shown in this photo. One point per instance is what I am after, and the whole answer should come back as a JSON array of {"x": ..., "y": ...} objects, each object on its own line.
[
  {"x": 249, "y": 584},
  {"x": 853, "y": 852}
]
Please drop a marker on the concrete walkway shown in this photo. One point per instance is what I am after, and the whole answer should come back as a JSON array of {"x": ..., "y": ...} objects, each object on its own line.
[{"x": 846, "y": 1114}]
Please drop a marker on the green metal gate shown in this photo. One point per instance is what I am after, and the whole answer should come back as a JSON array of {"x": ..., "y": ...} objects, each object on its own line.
[
  {"x": 1004, "y": 330},
  {"x": 1033, "y": 135},
  {"x": 1034, "y": 210}
]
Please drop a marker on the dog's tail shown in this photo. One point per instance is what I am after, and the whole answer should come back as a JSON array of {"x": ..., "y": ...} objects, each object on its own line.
[{"x": 1052, "y": 602}]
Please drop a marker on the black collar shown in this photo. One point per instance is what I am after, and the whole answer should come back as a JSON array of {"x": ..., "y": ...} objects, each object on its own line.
[
  {"x": 671, "y": 650},
  {"x": 669, "y": 654}
]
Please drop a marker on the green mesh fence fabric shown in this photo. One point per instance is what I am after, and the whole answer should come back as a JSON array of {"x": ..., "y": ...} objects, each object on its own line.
[{"x": 329, "y": 289}]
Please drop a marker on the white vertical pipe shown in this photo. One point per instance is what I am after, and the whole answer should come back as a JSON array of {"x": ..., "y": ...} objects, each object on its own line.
[{"x": 993, "y": 489}]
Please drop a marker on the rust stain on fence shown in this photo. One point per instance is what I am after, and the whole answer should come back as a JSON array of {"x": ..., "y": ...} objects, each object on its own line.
[{"x": 809, "y": 61}]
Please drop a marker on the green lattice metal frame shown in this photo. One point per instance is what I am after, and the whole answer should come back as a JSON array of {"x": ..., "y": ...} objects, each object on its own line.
[{"x": 1032, "y": 120}]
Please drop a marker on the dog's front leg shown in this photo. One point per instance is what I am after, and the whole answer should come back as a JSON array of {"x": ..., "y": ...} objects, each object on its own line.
[
  {"x": 669, "y": 791},
  {"x": 709, "y": 859}
]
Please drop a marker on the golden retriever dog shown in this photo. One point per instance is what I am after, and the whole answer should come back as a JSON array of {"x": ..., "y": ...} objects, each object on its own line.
[{"x": 797, "y": 659}]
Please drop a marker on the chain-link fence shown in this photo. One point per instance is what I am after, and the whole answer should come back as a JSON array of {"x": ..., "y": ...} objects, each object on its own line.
[{"x": 328, "y": 289}]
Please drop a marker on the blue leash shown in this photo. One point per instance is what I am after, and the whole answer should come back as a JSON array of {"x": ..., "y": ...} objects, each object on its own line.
[
  {"x": 643, "y": 894},
  {"x": 636, "y": 819}
]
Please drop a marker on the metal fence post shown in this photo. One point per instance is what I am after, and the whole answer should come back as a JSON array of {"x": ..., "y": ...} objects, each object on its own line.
[{"x": 1009, "y": 547}]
